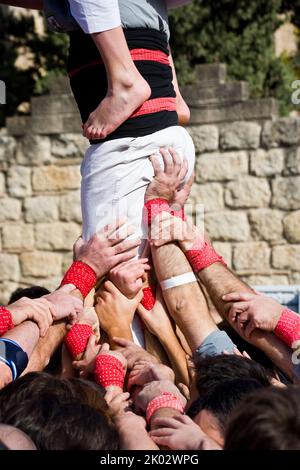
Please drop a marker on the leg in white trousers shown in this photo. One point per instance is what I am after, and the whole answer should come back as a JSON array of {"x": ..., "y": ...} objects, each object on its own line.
[{"x": 115, "y": 176}]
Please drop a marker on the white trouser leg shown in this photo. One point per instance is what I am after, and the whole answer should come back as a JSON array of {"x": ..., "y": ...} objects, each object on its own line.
[{"x": 115, "y": 176}]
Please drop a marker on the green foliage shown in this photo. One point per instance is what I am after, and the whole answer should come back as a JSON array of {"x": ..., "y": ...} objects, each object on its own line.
[
  {"x": 47, "y": 58},
  {"x": 238, "y": 33}
]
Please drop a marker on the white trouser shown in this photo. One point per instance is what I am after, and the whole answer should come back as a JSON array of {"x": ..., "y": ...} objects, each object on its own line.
[
  {"x": 116, "y": 173},
  {"x": 115, "y": 176}
]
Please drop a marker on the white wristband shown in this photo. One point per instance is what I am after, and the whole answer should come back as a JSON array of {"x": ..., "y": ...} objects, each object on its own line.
[{"x": 180, "y": 280}]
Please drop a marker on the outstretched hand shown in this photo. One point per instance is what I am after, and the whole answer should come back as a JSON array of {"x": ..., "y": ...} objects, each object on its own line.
[
  {"x": 251, "y": 311},
  {"x": 167, "y": 180},
  {"x": 107, "y": 248}
]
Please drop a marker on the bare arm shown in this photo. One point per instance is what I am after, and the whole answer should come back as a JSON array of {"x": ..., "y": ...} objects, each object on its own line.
[
  {"x": 186, "y": 303},
  {"x": 218, "y": 280},
  {"x": 46, "y": 347},
  {"x": 158, "y": 322}
]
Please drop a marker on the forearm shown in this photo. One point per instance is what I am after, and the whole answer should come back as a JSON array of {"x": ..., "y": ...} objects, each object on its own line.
[
  {"x": 186, "y": 303},
  {"x": 31, "y": 4},
  {"x": 26, "y": 335},
  {"x": 46, "y": 347},
  {"x": 218, "y": 281}
]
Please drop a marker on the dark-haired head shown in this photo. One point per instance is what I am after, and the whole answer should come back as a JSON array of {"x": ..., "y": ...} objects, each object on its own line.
[
  {"x": 267, "y": 419},
  {"x": 213, "y": 410},
  {"x": 33, "y": 292},
  {"x": 210, "y": 371}
]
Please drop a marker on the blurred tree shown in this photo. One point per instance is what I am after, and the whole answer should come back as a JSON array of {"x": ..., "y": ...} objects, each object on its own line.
[
  {"x": 238, "y": 33},
  {"x": 44, "y": 56}
]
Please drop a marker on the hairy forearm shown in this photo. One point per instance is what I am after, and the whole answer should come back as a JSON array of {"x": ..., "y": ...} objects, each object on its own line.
[
  {"x": 186, "y": 303},
  {"x": 46, "y": 347},
  {"x": 218, "y": 281},
  {"x": 31, "y": 4},
  {"x": 26, "y": 335}
]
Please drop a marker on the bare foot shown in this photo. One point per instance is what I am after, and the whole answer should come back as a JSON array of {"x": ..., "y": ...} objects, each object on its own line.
[
  {"x": 183, "y": 111},
  {"x": 116, "y": 107}
]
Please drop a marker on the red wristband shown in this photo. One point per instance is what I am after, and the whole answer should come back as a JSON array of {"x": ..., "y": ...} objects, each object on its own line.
[
  {"x": 149, "y": 297},
  {"x": 109, "y": 371},
  {"x": 166, "y": 400},
  {"x": 288, "y": 327},
  {"x": 77, "y": 338},
  {"x": 6, "y": 322},
  {"x": 81, "y": 276},
  {"x": 154, "y": 207},
  {"x": 201, "y": 259}
]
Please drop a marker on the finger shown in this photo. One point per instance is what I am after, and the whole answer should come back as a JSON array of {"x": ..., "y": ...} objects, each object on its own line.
[
  {"x": 237, "y": 296},
  {"x": 183, "y": 171},
  {"x": 120, "y": 398},
  {"x": 110, "y": 287},
  {"x": 156, "y": 164},
  {"x": 168, "y": 161},
  {"x": 109, "y": 229},
  {"x": 126, "y": 245},
  {"x": 89, "y": 300},
  {"x": 122, "y": 234},
  {"x": 104, "y": 348},
  {"x": 245, "y": 354},
  {"x": 250, "y": 327},
  {"x": 177, "y": 162},
  {"x": 188, "y": 185},
  {"x": 161, "y": 441},
  {"x": 91, "y": 344},
  {"x": 166, "y": 422},
  {"x": 79, "y": 365},
  {"x": 161, "y": 432},
  {"x": 127, "y": 255}
]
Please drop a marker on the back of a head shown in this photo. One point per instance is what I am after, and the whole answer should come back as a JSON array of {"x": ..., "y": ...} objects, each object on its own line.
[
  {"x": 66, "y": 426},
  {"x": 33, "y": 292},
  {"x": 224, "y": 398},
  {"x": 27, "y": 389},
  {"x": 15, "y": 439},
  {"x": 268, "y": 419},
  {"x": 37, "y": 385},
  {"x": 78, "y": 427},
  {"x": 210, "y": 371}
]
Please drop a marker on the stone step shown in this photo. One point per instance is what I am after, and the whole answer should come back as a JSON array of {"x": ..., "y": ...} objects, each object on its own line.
[
  {"x": 211, "y": 74},
  {"x": 53, "y": 104},
  {"x": 231, "y": 92},
  {"x": 256, "y": 109}
]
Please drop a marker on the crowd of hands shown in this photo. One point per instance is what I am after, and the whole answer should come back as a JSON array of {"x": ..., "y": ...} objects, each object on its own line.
[{"x": 110, "y": 310}]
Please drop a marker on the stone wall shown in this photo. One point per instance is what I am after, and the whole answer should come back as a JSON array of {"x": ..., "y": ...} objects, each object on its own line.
[{"x": 247, "y": 177}]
